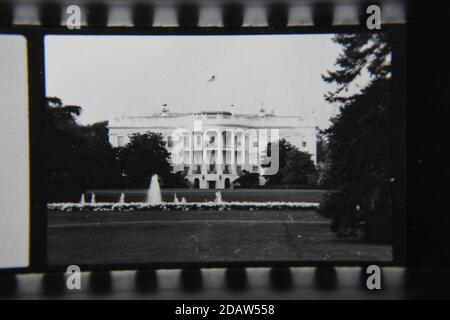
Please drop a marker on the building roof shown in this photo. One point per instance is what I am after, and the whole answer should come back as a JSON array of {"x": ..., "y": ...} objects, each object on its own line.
[
  {"x": 217, "y": 118},
  {"x": 214, "y": 113}
]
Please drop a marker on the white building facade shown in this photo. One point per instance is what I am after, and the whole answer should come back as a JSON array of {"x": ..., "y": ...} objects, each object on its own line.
[{"x": 213, "y": 148}]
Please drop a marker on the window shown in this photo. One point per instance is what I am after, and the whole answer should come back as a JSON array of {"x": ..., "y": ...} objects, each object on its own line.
[
  {"x": 120, "y": 141},
  {"x": 238, "y": 168},
  {"x": 169, "y": 142},
  {"x": 255, "y": 168},
  {"x": 226, "y": 169},
  {"x": 186, "y": 141},
  {"x": 304, "y": 144},
  {"x": 255, "y": 144},
  {"x": 186, "y": 169}
]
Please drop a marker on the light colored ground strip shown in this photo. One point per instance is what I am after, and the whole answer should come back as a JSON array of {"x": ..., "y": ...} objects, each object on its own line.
[{"x": 197, "y": 221}]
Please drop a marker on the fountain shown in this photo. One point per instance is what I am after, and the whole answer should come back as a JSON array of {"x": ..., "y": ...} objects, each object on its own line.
[
  {"x": 154, "y": 191},
  {"x": 83, "y": 199},
  {"x": 218, "y": 197},
  {"x": 154, "y": 202}
]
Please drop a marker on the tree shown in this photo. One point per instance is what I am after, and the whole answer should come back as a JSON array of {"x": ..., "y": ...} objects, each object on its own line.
[
  {"x": 248, "y": 179},
  {"x": 64, "y": 140},
  {"x": 295, "y": 166},
  {"x": 61, "y": 117},
  {"x": 144, "y": 156},
  {"x": 358, "y": 139},
  {"x": 299, "y": 169},
  {"x": 361, "y": 51},
  {"x": 283, "y": 149},
  {"x": 98, "y": 158},
  {"x": 81, "y": 157},
  {"x": 176, "y": 180}
]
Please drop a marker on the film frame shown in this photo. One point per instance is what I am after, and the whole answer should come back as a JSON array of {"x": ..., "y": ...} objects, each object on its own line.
[{"x": 187, "y": 17}]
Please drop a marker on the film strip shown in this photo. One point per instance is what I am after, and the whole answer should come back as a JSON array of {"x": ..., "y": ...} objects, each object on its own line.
[
  {"x": 188, "y": 15},
  {"x": 211, "y": 284},
  {"x": 293, "y": 282}
]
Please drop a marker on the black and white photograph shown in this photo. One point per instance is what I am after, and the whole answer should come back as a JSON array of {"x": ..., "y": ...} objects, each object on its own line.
[
  {"x": 224, "y": 158},
  {"x": 219, "y": 148}
]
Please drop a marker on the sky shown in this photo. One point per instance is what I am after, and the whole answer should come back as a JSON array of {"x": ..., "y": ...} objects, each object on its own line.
[{"x": 136, "y": 75}]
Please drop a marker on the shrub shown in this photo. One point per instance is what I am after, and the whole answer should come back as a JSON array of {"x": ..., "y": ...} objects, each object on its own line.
[
  {"x": 365, "y": 215},
  {"x": 247, "y": 179}
]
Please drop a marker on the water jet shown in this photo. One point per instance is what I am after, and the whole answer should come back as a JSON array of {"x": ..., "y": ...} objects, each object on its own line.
[{"x": 154, "y": 191}]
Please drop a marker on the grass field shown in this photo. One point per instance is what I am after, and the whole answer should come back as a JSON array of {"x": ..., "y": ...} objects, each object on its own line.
[
  {"x": 192, "y": 195},
  {"x": 199, "y": 236}
]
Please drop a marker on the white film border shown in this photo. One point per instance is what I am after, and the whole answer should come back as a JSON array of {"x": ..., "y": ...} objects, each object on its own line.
[{"x": 14, "y": 146}]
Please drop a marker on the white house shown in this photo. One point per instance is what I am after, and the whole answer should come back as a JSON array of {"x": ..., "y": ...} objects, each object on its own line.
[{"x": 213, "y": 147}]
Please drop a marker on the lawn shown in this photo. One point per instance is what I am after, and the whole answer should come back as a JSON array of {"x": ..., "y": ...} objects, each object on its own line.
[
  {"x": 200, "y": 236},
  {"x": 193, "y": 195}
]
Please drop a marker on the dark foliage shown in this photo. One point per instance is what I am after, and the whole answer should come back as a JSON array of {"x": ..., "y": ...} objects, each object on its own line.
[
  {"x": 299, "y": 169},
  {"x": 248, "y": 179},
  {"x": 358, "y": 149},
  {"x": 360, "y": 51},
  {"x": 97, "y": 159},
  {"x": 295, "y": 166},
  {"x": 175, "y": 180},
  {"x": 144, "y": 156},
  {"x": 64, "y": 140},
  {"x": 81, "y": 157}
]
